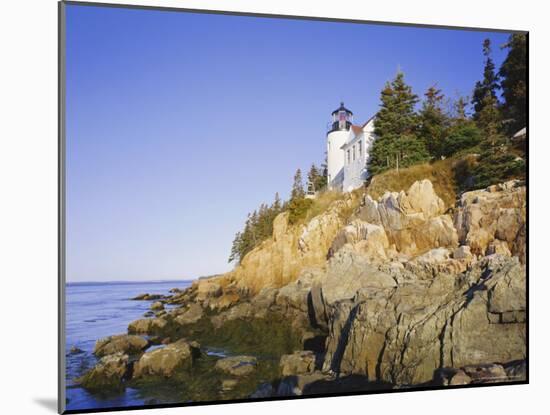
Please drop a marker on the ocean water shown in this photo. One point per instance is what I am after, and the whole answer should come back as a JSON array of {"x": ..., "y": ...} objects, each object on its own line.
[{"x": 96, "y": 310}]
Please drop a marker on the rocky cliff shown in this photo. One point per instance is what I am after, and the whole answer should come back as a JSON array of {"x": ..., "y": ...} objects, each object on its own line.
[
  {"x": 279, "y": 260},
  {"x": 401, "y": 293}
]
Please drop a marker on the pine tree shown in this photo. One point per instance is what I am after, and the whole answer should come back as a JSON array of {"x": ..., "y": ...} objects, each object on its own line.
[
  {"x": 463, "y": 133},
  {"x": 489, "y": 120},
  {"x": 460, "y": 110},
  {"x": 298, "y": 186},
  {"x": 277, "y": 204},
  {"x": 313, "y": 177},
  {"x": 236, "y": 248},
  {"x": 513, "y": 72},
  {"x": 489, "y": 84},
  {"x": 396, "y": 126},
  {"x": 433, "y": 122}
]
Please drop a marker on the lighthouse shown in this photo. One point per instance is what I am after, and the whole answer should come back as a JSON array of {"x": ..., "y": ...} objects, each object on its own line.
[{"x": 342, "y": 119}]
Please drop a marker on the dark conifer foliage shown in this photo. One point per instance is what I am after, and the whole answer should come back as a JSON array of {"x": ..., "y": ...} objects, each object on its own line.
[
  {"x": 488, "y": 86},
  {"x": 396, "y": 128},
  {"x": 514, "y": 83},
  {"x": 434, "y": 122}
]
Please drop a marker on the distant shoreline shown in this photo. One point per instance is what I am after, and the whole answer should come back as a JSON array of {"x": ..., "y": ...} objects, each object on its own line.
[{"x": 128, "y": 282}]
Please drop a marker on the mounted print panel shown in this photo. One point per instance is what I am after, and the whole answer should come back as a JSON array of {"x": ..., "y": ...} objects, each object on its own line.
[{"x": 269, "y": 207}]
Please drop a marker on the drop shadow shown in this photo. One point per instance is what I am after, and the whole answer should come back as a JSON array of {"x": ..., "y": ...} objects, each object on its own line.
[{"x": 48, "y": 403}]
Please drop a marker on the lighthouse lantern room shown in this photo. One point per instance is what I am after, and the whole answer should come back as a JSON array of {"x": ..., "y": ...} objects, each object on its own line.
[{"x": 342, "y": 119}]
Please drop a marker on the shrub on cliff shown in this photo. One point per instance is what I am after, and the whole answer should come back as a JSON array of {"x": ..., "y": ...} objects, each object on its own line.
[{"x": 297, "y": 209}]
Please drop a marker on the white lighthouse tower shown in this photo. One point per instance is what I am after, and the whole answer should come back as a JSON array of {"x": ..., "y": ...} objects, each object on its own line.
[{"x": 337, "y": 136}]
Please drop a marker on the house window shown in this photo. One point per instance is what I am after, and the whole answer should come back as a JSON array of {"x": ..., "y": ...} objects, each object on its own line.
[
  {"x": 360, "y": 149},
  {"x": 348, "y": 153},
  {"x": 353, "y": 149}
]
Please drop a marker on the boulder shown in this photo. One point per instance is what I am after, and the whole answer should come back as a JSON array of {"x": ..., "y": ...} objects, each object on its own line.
[
  {"x": 107, "y": 374},
  {"x": 237, "y": 365},
  {"x": 157, "y": 306},
  {"x": 165, "y": 361},
  {"x": 189, "y": 315},
  {"x": 127, "y": 344},
  {"x": 297, "y": 363},
  {"x": 460, "y": 378},
  {"x": 146, "y": 325}
]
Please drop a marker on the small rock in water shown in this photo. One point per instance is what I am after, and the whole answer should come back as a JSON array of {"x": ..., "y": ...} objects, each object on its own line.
[
  {"x": 147, "y": 296},
  {"x": 75, "y": 350},
  {"x": 157, "y": 306}
]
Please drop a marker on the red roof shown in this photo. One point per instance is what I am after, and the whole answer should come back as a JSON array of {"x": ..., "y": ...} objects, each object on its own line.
[{"x": 357, "y": 129}]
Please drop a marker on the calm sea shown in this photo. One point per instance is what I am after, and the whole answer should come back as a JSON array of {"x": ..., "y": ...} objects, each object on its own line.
[{"x": 96, "y": 310}]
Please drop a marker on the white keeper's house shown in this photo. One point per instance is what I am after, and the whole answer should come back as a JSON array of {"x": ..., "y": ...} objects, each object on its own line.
[{"x": 348, "y": 148}]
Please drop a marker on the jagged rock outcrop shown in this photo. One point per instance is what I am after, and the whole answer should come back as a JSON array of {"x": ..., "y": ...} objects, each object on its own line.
[
  {"x": 403, "y": 334},
  {"x": 493, "y": 220},
  {"x": 414, "y": 221}
]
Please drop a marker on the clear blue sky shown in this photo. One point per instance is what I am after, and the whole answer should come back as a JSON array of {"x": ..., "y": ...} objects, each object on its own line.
[{"x": 180, "y": 124}]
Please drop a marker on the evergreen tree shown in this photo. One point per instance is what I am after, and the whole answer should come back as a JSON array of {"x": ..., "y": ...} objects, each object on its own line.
[
  {"x": 513, "y": 72},
  {"x": 460, "y": 110},
  {"x": 277, "y": 204},
  {"x": 313, "y": 177},
  {"x": 298, "y": 186},
  {"x": 258, "y": 227},
  {"x": 463, "y": 133},
  {"x": 433, "y": 122},
  {"x": 396, "y": 125},
  {"x": 234, "y": 255},
  {"x": 489, "y": 85},
  {"x": 317, "y": 177}
]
